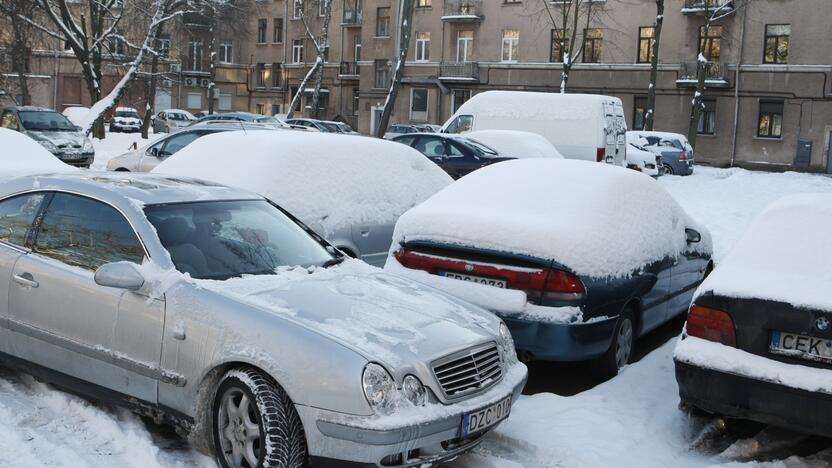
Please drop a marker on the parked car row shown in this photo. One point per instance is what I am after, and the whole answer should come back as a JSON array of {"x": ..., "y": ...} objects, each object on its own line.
[{"x": 52, "y": 130}]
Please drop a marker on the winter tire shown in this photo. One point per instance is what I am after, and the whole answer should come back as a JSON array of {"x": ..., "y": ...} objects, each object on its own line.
[
  {"x": 621, "y": 348},
  {"x": 255, "y": 424},
  {"x": 668, "y": 169}
]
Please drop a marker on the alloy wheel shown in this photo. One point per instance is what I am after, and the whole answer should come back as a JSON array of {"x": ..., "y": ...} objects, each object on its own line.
[
  {"x": 624, "y": 342},
  {"x": 239, "y": 429}
]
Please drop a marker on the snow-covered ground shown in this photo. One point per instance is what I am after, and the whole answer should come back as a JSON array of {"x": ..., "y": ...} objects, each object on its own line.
[
  {"x": 115, "y": 144},
  {"x": 630, "y": 421}
]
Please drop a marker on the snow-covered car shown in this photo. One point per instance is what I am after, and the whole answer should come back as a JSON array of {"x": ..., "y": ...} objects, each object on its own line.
[
  {"x": 21, "y": 156},
  {"x": 352, "y": 194},
  {"x": 648, "y": 162},
  {"x": 516, "y": 143},
  {"x": 126, "y": 119},
  {"x": 455, "y": 154},
  {"x": 214, "y": 309},
  {"x": 76, "y": 114},
  {"x": 758, "y": 341},
  {"x": 578, "y": 258},
  {"x": 319, "y": 125},
  {"x": 171, "y": 120},
  {"x": 675, "y": 150},
  {"x": 144, "y": 159},
  {"x": 400, "y": 129},
  {"x": 51, "y": 130},
  {"x": 242, "y": 117}
]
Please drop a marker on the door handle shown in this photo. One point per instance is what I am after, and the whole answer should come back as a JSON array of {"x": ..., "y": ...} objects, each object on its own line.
[{"x": 25, "y": 279}]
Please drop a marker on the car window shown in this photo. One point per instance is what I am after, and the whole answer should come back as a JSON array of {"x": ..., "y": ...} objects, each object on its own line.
[
  {"x": 431, "y": 147},
  {"x": 481, "y": 148},
  {"x": 461, "y": 124},
  {"x": 10, "y": 121},
  {"x": 127, "y": 113},
  {"x": 454, "y": 151},
  {"x": 176, "y": 143},
  {"x": 407, "y": 140},
  {"x": 16, "y": 216},
  {"x": 86, "y": 233},
  {"x": 45, "y": 121}
]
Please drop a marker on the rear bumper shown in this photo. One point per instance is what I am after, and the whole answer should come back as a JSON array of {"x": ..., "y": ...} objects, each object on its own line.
[
  {"x": 738, "y": 396},
  {"x": 561, "y": 341}
]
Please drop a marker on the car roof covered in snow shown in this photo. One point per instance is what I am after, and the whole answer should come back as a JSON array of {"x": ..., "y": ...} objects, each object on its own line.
[
  {"x": 665, "y": 135},
  {"x": 596, "y": 219},
  {"x": 783, "y": 256},
  {"x": 532, "y": 105},
  {"x": 23, "y": 156},
  {"x": 516, "y": 143}
]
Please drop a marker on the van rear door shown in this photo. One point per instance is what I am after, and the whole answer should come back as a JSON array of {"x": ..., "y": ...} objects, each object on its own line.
[{"x": 615, "y": 131}]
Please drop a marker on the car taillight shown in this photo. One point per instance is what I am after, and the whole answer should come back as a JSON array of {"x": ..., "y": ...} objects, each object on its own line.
[
  {"x": 634, "y": 167},
  {"x": 601, "y": 154},
  {"x": 563, "y": 286},
  {"x": 711, "y": 324},
  {"x": 683, "y": 156}
]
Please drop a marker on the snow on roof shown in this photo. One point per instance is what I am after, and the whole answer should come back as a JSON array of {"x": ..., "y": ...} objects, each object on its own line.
[
  {"x": 516, "y": 143},
  {"x": 23, "y": 156},
  {"x": 125, "y": 109},
  {"x": 783, "y": 256},
  {"x": 666, "y": 135},
  {"x": 532, "y": 105},
  {"x": 323, "y": 179},
  {"x": 596, "y": 219}
]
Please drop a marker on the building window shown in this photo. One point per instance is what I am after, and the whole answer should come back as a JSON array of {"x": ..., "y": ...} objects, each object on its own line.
[
  {"x": 260, "y": 108},
  {"x": 422, "y": 46},
  {"x": 297, "y": 51},
  {"x": 226, "y": 52},
  {"x": 322, "y": 7},
  {"x": 356, "y": 102},
  {"x": 224, "y": 103},
  {"x": 261, "y": 75},
  {"x": 383, "y": 22},
  {"x": 511, "y": 41},
  {"x": 357, "y": 47},
  {"x": 275, "y": 109},
  {"x": 707, "y": 118},
  {"x": 646, "y": 35},
  {"x": 277, "y": 31},
  {"x": 195, "y": 55},
  {"x": 164, "y": 47},
  {"x": 262, "y": 24},
  {"x": 459, "y": 98},
  {"x": 770, "y": 123},
  {"x": 639, "y": 111},
  {"x": 464, "y": 46},
  {"x": 593, "y": 38},
  {"x": 382, "y": 73},
  {"x": 297, "y": 11},
  {"x": 275, "y": 76},
  {"x": 194, "y": 100},
  {"x": 423, "y": 4},
  {"x": 559, "y": 45},
  {"x": 777, "y": 43},
  {"x": 419, "y": 104},
  {"x": 710, "y": 43}
]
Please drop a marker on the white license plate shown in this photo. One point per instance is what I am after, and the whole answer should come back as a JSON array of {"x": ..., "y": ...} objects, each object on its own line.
[
  {"x": 474, "y": 279},
  {"x": 72, "y": 155},
  {"x": 487, "y": 417},
  {"x": 801, "y": 346}
]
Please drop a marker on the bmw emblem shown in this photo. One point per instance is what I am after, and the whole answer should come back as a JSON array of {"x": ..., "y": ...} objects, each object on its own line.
[
  {"x": 471, "y": 268},
  {"x": 822, "y": 324}
]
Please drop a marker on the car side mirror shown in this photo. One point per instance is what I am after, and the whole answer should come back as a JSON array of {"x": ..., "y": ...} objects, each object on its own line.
[
  {"x": 121, "y": 275},
  {"x": 77, "y": 128},
  {"x": 163, "y": 154},
  {"x": 692, "y": 235},
  {"x": 153, "y": 151}
]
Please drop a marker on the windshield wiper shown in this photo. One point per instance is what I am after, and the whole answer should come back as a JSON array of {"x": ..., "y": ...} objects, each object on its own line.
[{"x": 332, "y": 262}]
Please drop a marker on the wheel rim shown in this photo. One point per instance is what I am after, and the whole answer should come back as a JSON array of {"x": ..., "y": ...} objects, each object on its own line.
[
  {"x": 668, "y": 170},
  {"x": 239, "y": 429},
  {"x": 624, "y": 343}
]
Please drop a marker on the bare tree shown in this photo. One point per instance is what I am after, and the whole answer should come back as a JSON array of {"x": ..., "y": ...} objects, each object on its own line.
[
  {"x": 650, "y": 112},
  {"x": 20, "y": 42},
  {"x": 565, "y": 17},
  {"x": 405, "y": 26},
  {"x": 321, "y": 44},
  {"x": 316, "y": 95}
]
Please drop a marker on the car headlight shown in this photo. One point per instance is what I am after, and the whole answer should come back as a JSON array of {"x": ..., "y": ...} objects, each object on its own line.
[
  {"x": 507, "y": 344},
  {"x": 48, "y": 145},
  {"x": 378, "y": 387},
  {"x": 88, "y": 145},
  {"x": 413, "y": 391}
]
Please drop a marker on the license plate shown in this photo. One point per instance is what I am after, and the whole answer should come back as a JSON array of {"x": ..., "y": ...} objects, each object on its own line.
[
  {"x": 801, "y": 346},
  {"x": 72, "y": 156},
  {"x": 474, "y": 279},
  {"x": 487, "y": 417}
]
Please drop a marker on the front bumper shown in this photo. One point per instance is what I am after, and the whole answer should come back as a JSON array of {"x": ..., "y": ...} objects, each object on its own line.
[
  {"x": 744, "y": 397},
  {"x": 84, "y": 159},
  {"x": 338, "y": 440},
  {"x": 550, "y": 341}
]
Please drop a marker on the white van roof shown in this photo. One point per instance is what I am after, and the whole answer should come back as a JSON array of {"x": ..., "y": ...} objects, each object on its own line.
[{"x": 525, "y": 104}]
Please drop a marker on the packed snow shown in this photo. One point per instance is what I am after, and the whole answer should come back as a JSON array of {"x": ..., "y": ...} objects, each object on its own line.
[
  {"x": 76, "y": 114},
  {"x": 116, "y": 144},
  {"x": 516, "y": 144},
  {"x": 328, "y": 181},
  {"x": 22, "y": 156}
]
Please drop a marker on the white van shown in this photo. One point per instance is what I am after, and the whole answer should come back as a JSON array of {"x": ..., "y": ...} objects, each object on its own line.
[{"x": 580, "y": 126}]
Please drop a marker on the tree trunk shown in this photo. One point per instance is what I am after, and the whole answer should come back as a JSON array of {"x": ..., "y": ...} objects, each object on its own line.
[
  {"x": 212, "y": 66},
  {"x": 302, "y": 86},
  {"x": 150, "y": 108},
  {"x": 324, "y": 45},
  {"x": 696, "y": 103},
  {"x": 650, "y": 113},
  {"x": 404, "y": 45}
]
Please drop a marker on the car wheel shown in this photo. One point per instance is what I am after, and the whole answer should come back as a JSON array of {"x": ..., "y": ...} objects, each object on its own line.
[
  {"x": 621, "y": 348},
  {"x": 250, "y": 414},
  {"x": 668, "y": 169}
]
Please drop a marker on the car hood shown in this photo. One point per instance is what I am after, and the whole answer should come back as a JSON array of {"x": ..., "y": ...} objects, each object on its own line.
[
  {"x": 61, "y": 138},
  {"x": 384, "y": 317},
  {"x": 127, "y": 121}
]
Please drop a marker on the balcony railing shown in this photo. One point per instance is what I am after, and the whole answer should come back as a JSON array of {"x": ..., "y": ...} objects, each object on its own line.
[
  {"x": 466, "y": 71},
  {"x": 352, "y": 17},
  {"x": 716, "y": 75},
  {"x": 349, "y": 70},
  {"x": 462, "y": 10},
  {"x": 698, "y": 7}
]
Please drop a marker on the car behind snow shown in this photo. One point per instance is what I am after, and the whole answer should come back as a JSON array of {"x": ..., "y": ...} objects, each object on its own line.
[
  {"x": 456, "y": 155},
  {"x": 213, "y": 309},
  {"x": 51, "y": 130},
  {"x": 578, "y": 258},
  {"x": 170, "y": 120},
  {"x": 759, "y": 333},
  {"x": 675, "y": 150},
  {"x": 126, "y": 119}
]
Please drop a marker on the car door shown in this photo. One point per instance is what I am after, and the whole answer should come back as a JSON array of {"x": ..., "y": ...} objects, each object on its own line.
[
  {"x": 654, "y": 300},
  {"x": 459, "y": 160},
  {"x": 688, "y": 271},
  {"x": 433, "y": 147},
  {"x": 170, "y": 146},
  {"x": 61, "y": 319}
]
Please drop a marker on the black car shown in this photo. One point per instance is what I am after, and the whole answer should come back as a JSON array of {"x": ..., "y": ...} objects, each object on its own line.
[
  {"x": 456, "y": 155},
  {"x": 758, "y": 341}
]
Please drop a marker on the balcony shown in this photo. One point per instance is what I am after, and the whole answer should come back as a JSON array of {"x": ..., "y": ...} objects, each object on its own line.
[
  {"x": 352, "y": 18},
  {"x": 703, "y": 7},
  {"x": 453, "y": 71},
  {"x": 462, "y": 11},
  {"x": 716, "y": 75},
  {"x": 349, "y": 71}
]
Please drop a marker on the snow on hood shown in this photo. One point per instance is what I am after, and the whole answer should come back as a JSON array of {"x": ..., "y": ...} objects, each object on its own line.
[
  {"x": 328, "y": 181},
  {"x": 596, "y": 219},
  {"x": 638, "y": 155},
  {"x": 516, "y": 144},
  {"x": 384, "y": 317},
  {"x": 23, "y": 156},
  {"x": 59, "y": 138},
  {"x": 783, "y": 256}
]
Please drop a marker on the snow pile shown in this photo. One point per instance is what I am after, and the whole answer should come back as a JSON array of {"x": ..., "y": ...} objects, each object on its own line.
[
  {"x": 596, "y": 219},
  {"x": 328, "y": 181},
  {"x": 23, "y": 156},
  {"x": 516, "y": 144},
  {"x": 76, "y": 114},
  {"x": 789, "y": 239}
]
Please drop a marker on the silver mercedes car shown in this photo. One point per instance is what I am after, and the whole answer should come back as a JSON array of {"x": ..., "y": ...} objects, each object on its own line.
[{"x": 215, "y": 310}]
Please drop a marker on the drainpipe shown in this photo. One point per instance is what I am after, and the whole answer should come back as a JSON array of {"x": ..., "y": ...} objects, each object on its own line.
[
  {"x": 737, "y": 87},
  {"x": 57, "y": 72}
]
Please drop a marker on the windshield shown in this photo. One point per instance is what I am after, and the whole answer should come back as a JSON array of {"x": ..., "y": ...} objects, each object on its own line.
[
  {"x": 225, "y": 239},
  {"x": 45, "y": 121},
  {"x": 330, "y": 127},
  {"x": 480, "y": 148},
  {"x": 127, "y": 113}
]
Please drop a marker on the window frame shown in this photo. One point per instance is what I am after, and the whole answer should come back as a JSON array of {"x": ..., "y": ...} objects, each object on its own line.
[
  {"x": 513, "y": 43},
  {"x": 422, "y": 51},
  {"x": 645, "y": 41},
  {"x": 262, "y": 27},
  {"x": 706, "y": 44},
  {"x": 771, "y": 115},
  {"x": 637, "y": 100},
  {"x": 778, "y": 39},
  {"x": 386, "y": 22},
  {"x": 707, "y": 115},
  {"x": 226, "y": 51},
  {"x": 277, "y": 30},
  {"x": 597, "y": 45},
  {"x": 563, "y": 45},
  {"x": 297, "y": 50}
]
